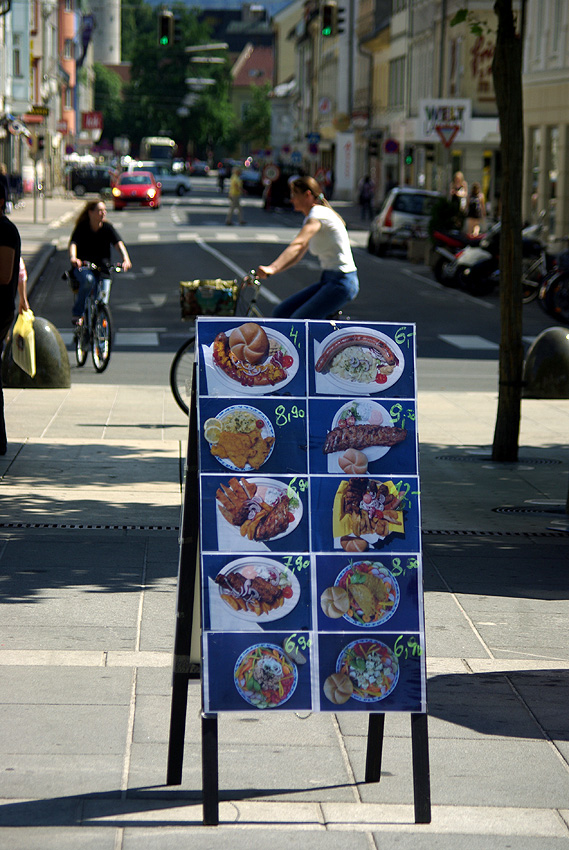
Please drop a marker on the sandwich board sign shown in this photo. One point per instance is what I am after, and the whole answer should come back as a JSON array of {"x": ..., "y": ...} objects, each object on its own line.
[{"x": 303, "y": 439}]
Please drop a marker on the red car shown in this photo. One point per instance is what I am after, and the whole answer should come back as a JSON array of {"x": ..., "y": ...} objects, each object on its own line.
[{"x": 137, "y": 188}]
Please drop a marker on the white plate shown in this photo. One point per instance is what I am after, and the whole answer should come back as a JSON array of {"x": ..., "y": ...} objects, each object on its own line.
[
  {"x": 274, "y": 489},
  {"x": 286, "y": 345},
  {"x": 266, "y": 431},
  {"x": 348, "y": 386},
  {"x": 261, "y": 564},
  {"x": 364, "y": 409}
]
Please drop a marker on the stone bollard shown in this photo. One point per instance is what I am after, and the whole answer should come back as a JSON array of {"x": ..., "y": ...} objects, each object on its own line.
[
  {"x": 546, "y": 367},
  {"x": 52, "y": 361}
]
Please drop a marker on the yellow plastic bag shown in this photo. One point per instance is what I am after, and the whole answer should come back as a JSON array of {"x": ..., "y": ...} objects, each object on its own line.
[{"x": 24, "y": 343}]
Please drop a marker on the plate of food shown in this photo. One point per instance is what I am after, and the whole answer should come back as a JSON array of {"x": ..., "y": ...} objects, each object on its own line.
[
  {"x": 258, "y": 589},
  {"x": 360, "y": 360},
  {"x": 372, "y": 668},
  {"x": 365, "y": 511},
  {"x": 372, "y": 593},
  {"x": 264, "y": 676},
  {"x": 240, "y": 437},
  {"x": 260, "y": 509},
  {"x": 362, "y": 431},
  {"x": 258, "y": 359}
]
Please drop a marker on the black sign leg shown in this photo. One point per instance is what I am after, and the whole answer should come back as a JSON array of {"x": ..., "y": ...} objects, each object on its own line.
[
  {"x": 421, "y": 775},
  {"x": 376, "y": 723},
  {"x": 185, "y": 602},
  {"x": 210, "y": 770}
]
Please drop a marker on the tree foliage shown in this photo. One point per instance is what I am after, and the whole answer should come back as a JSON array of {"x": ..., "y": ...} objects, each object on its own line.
[
  {"x": 153, "y": 100},
  {"x": 256, "y": 124}
]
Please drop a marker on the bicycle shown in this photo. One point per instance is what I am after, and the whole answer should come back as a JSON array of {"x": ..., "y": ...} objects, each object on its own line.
[
  {"x": 182, "y": 368},
  {"x": 94, "y": 328}
]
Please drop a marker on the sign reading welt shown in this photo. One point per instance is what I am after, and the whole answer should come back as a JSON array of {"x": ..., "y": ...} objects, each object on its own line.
[{"x": 443, "y": 114}]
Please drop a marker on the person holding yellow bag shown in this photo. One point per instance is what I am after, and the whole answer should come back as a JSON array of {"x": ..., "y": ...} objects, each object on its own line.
[{"x": 10, "y": 254}]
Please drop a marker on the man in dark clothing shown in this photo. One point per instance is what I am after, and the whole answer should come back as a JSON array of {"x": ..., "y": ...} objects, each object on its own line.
[{"x": 10, "y": 249}]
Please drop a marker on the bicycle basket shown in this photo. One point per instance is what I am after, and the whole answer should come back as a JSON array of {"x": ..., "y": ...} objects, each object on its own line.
[{"x": 208, "y": 298}]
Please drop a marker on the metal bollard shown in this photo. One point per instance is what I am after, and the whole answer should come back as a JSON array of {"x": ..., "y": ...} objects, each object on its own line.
[
  {"x": 52, "y": 361},
  {"x": 546, "y": 367}
]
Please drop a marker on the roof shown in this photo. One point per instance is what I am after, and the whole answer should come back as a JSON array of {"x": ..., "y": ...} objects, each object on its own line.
[{"x": 254, "y": 67}]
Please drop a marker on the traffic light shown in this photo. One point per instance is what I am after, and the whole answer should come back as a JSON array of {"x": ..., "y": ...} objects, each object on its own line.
[
  {"x": 177, "y": 29},
  {"x": 329, "y": 15},
  {"x": 165, "y": 28},
  {"x": 339, "y": 21},
  {"x": 409, "y": 156},
  {"x": 373, "y": 147},
  {"x": 41, "y": 144}
]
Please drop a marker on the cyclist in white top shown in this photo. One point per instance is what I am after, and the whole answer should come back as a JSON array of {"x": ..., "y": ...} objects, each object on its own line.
[{"x": 324, "y": 233}]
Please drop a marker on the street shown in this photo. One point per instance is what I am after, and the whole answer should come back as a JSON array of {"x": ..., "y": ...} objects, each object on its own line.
[{"x": 457, "y": 335}]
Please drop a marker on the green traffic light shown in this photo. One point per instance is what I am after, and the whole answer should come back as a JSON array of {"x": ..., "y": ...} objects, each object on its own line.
[
  {"x": 164, "y": 39},
  {"x": 326, "y": 30}
]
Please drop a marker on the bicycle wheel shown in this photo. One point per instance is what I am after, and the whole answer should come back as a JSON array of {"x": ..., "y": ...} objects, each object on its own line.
[
  {"x": 102, "y": 338},
  {"x": 81, "y": 344},
  {"x": 531, "y": 276},
  {"x": 181, "y": 373},
  {"x": 559, "y": 298}
]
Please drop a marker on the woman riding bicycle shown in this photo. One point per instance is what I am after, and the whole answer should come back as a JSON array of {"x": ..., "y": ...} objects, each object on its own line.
[
  {"x": 324, "y": 232},
  {"x": 91, "y": 242}
]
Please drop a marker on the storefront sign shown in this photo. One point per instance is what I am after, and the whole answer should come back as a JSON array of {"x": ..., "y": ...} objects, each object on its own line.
[{"x": 442, "y": 115}]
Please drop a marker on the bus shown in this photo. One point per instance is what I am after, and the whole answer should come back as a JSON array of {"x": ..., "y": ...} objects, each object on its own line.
[{"x": 157, "y": 147}]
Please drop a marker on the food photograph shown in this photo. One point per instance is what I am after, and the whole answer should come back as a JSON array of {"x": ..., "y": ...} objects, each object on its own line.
[
  {"x": 371, "y": 673},
  {"x": 363, "y": 436},
  {"x": 367, "y": 593},
  {"x": 251, "y": 358},
  {"x": 355, "y": 360},
  {"x": 256, "y": 593},
  {"x": 254, "y": 514},
  {"x": 361, "y": 514},
  {"x": 247, "y": 672},
  {"x": 255, "y": 434}
]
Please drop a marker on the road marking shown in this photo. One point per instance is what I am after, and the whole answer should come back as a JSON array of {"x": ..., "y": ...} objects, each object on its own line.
[
  {"x": 237, "y": 270},
  {"x": 469, "y": 341},
  {"x": 122, "y": 339},
  {"x": 158, "y": 300},
  {"x": 187, "y": 237}
]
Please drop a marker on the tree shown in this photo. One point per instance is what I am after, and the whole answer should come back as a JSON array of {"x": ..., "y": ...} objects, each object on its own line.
[
  {"x": 507, "y": 77},
  {"x": 108, "y": 99},
  {"x": 256, "y": 124}
]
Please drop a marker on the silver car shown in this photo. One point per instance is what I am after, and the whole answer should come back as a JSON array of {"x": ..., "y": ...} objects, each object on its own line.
[
  {"x": 171, "y": 181},
  {"x": 405, "y": 215}
]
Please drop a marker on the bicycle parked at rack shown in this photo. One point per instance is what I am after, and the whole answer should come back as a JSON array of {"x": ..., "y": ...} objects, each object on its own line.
[
  {"x": 94, "y": 330},
  {"x": 243, "y": 295}
]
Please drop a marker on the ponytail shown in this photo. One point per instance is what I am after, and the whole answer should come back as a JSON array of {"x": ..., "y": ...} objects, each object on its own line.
[{"x": 309, "y": 184}]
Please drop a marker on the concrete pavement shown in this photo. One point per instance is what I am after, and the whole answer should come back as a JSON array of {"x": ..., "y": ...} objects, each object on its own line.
[{"x": 89, "y": 515}]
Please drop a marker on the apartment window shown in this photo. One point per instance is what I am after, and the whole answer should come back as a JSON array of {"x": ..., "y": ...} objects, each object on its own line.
[
  {"x": 68, "y": 5},
  {"x": 397, "y": 82},
  {"x": 68, "y": 98},
  {"x": 557, "y": 24},
  {"x": 68, "y": 51},
  {"x": 16, "y": 56}
]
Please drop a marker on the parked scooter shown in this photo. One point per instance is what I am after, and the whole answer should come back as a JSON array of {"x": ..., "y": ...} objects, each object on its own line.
[
  {"x": 476, "y": 269},
  {"x": 447, "y": 244}
]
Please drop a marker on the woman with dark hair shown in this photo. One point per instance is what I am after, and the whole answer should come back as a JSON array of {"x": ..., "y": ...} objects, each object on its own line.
[
  {"x": 324, "y": 232},
  {"x": 91, "y": 242}
]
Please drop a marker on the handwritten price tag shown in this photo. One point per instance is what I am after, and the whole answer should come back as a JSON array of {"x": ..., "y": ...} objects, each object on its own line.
[
  {"x": 296, "y": 564},
  {"x": 284, "y": 414},
  {"x": 407, "y": 648},
  {"x": 295, "y": 642},
  {"x": 399, "y": 568},
  {"x": 400, "y": 415},
  {"x": 293, "y": 334},
  {"x": 403, "y": 337}
]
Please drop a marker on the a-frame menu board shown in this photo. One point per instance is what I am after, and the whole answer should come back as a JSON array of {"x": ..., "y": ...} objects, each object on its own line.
[{"x": 311, "y": 568}]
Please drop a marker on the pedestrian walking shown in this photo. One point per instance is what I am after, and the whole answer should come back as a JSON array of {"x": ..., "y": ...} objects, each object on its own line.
[
  {"x": 459, "y": 192},
  {"x": 366, "y": 192},
  {"x": 324, "y": 231},
  {"x": 11, "y": 281},
  {"x": 476, "y": 210},
  {"x": 235, "y": 192}
]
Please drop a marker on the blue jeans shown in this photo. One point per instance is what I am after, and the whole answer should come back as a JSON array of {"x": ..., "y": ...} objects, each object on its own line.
[
  {"x": 321, "y": 299},
  {"x": 87, "y": 279}
]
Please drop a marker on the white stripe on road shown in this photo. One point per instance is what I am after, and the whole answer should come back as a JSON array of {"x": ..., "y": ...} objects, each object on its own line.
[
  {"x": 469, "y": 341},
  {"x": 122, "y": 339},
  {"x": 237, "y": 270}
]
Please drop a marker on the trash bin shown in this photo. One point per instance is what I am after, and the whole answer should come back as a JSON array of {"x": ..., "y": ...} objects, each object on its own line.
[
  {"x": 52, "y": 361},
  {"x": 546, "y": 367}
]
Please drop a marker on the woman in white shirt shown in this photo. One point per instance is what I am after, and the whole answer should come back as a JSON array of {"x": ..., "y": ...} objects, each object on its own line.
[{"x": 324, "y": 233}]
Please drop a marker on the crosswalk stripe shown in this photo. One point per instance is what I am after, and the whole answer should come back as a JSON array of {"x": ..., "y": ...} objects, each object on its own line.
[
  {"x": 130, "y": 339},
  {"x": 469, "y": 341}
]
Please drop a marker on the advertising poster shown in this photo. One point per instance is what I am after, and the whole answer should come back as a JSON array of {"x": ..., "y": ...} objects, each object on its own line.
[{"x": 311, "y": 568}]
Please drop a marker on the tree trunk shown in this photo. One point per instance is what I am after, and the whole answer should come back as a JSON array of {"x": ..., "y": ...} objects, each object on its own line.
[{"x": 507, "y": 75}]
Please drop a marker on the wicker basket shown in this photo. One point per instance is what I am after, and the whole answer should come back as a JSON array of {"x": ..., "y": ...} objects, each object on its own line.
[{"x": 208, "y": 298}]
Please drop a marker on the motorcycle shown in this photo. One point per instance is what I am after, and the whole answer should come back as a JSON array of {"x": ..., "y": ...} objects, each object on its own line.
[
  {"x": 553, "y": 295},
  {"x": 476, "y": 268},
  {"x": 447, "y": 244}
]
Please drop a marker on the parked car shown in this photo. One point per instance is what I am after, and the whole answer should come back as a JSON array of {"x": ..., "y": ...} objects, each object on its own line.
[
  {"x": 405, "y": 214},
  {"x": 170, "y": 180},
  {"x": 252, "y": 180},
  {"x": 199, "y": 168},
  {"x": 91, "y": 178},
  {"x": 137, "y": 188}
]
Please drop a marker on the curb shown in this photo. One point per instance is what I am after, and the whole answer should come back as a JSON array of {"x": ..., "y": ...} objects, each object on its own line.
[{"x": 39, "y": 262}]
